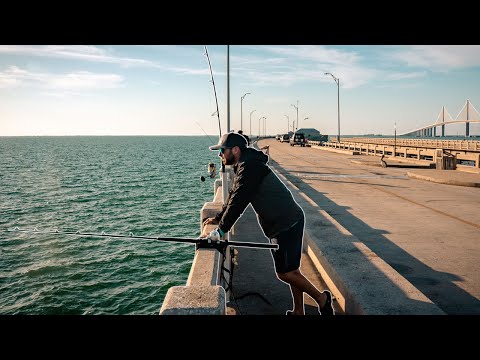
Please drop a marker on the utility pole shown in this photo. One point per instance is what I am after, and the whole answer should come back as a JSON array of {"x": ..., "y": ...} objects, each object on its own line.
[
  {"x": 251, "y": 121},
  {"x": 296, "y": 107},
  {"x": 337, "y": 80},
  {"x": 241, "y": 111},
  {"x": 228, "y": 88},
  {"x": 395, "y": 143}
]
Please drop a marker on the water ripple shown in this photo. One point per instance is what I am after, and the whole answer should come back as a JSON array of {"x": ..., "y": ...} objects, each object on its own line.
[{"x": 144, "y": 185}]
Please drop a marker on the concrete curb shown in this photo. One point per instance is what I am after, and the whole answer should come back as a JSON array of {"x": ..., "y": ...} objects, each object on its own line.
[
  {"x": 467, "y": 169},
  {"x": 345, "y": 152},
  {"x": 443, "y": 181},
  {"x": 391, "y": 164}
]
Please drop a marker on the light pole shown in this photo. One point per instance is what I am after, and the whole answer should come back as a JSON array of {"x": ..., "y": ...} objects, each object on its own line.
[
  {"x": 337, "y": 80},
  {"x": 395, "y": 143},
  {"x": 251, "y": 112},
  {"x": 288, "y": 123},
  {"x": 264, "y": 126},
  {"x": 259, "y": 126},
  {"x": 296, "y": 107},
  {"x": 241, "y": 110}
]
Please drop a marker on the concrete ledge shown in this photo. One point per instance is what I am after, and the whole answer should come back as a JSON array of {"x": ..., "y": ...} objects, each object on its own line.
[
  {"x": 400, "y": 159},
  {"x": 365, "y": 284},
  {"x": 194, "y": 300},
  {"x": 205, "y": 268},
  {"x": 468, "y": 169},
  {"x": 392, "y": 163},
  {"x": 447, "y": 180},
  {"x": 405, "y": 161},
  {"x": 216, "y": 185},
  {"x": 210, "y": 209},
  {"x": 362, "y": 282},
  {"x": 201, "y": 295},
  {"x": 340, "y": 151}
]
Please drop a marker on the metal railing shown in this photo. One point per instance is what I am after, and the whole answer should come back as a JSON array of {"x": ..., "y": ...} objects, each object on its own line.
[{"x": 470, "y": 145}]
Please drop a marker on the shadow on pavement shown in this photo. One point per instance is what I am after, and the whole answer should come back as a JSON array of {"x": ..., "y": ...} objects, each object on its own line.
[{"x": 439, "y": 287}]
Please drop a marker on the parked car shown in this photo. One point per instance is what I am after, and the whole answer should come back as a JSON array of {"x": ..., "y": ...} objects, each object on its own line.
[
  {"x": 297, "y": 139},
  {"x": 284, "y": 138}
]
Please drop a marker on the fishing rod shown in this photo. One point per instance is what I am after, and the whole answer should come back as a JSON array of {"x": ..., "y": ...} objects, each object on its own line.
[
  {"x": 202, "y": 242},
  {"x": 214, "y": 90}
]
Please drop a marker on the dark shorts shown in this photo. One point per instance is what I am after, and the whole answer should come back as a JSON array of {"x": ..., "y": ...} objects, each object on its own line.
[{"x": 287, "y": 257}]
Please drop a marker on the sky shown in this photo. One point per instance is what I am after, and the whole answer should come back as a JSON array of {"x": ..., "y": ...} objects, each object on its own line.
[{"x": 167, "y": 90}]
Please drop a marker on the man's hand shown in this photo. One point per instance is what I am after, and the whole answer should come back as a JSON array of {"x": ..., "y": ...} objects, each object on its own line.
[{"x": 209, "y": 221}]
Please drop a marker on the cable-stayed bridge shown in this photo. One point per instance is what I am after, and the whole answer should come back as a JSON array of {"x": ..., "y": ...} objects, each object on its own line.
[{"x": 467, "y": 115}]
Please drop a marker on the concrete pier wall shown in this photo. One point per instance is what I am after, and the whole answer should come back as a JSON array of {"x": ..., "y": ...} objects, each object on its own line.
[{"x": 203, "y": 294}]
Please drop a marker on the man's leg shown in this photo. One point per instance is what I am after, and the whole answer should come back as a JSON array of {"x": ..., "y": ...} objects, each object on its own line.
[
  {"x": 287, "y": 265},
  {"x": 298, "y": 305},
  {"x": 301, "y": 284}
]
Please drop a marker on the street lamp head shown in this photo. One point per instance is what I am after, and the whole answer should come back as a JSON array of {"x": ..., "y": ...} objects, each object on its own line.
[
  {"x": 333, "y": 76},
  {"x": 245, "y": 95}
]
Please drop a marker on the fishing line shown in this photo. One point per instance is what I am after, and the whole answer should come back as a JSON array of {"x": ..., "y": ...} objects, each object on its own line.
[
  {"x": 207, "y": 242},
  {"x": 209, "y": 138}
]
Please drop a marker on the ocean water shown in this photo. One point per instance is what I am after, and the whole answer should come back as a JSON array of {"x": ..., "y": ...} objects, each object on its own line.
[{"x": 146, "y": 185}]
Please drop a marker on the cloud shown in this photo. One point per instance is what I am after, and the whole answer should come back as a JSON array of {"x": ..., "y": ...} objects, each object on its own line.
[
  {"x": 406, "y": 75},
  {"x": 320, "y": 54},
  {"x": 350, "y": 77},
  {"x": 92, "y": 54},
  {"x": 13, "y": 76},
  {"x": 255, "y": 60},
  {"x": 85, "y": 80},
  {"x": 288, "y": 65},
  {"x": 190, "y": 71},
  {"x": 77, "y": 52},
  {"x": 439, "y": 57}
]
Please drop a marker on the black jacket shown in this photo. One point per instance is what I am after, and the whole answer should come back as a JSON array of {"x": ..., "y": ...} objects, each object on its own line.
[{"x": 254, "y": 182}]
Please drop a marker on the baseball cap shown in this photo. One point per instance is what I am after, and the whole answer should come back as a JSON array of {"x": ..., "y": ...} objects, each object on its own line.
[{"x": 229, "y": 140}]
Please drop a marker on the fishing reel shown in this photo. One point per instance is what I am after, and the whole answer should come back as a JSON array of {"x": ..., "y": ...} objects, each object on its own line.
[{"x": 212, "y": 171}]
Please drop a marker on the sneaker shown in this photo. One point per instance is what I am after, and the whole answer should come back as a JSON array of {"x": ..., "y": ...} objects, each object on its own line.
[
  {"x": 328, "y": 308},
  {"x": 290, "y": 312}
]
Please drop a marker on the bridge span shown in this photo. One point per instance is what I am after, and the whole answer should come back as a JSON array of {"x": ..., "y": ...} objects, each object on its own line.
[{"x": 467, "y": 115}]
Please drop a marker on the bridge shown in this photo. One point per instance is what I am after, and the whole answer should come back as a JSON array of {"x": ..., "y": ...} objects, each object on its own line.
[{"x": 467, "y": 115}]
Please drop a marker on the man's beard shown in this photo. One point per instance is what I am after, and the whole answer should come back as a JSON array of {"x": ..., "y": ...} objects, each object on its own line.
[{"x": 230, "y": 160}]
